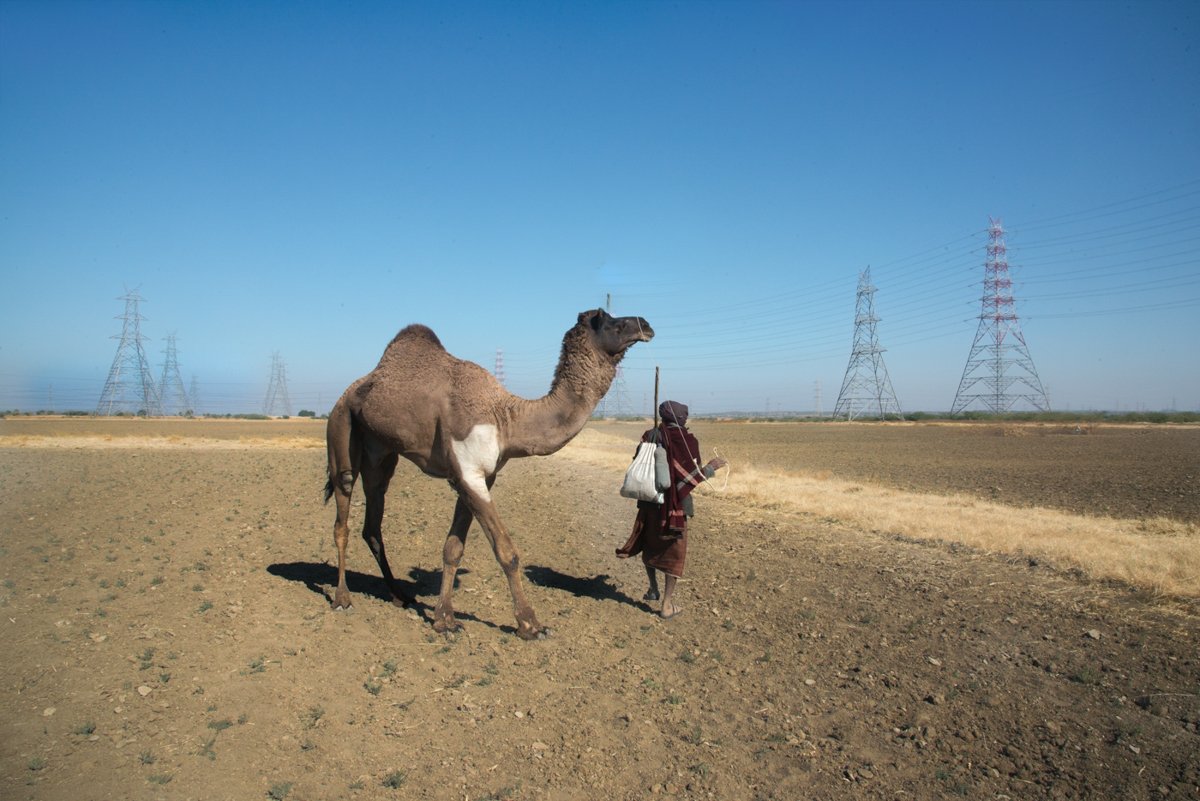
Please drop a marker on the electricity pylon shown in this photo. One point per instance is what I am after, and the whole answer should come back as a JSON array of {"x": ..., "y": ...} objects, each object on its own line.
[
  {"x": 999, "y": 370},
  {"x": 499, "y": 373},
  {"x": 615, "y": 402},
  {"x": 866, "y": 388},
  {"x": 173, "y": 396},
  {"x": 130, "y": 384},
  {"x": 276, "y": 401}
]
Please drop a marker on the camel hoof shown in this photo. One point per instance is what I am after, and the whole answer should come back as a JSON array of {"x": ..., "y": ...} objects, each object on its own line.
[
  {"x": 532, "y": 633},
  {"x": 446, "y": 626}
]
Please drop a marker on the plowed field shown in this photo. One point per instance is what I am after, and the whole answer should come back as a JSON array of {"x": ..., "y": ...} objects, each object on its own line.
[{"x": 169, "y": 635}]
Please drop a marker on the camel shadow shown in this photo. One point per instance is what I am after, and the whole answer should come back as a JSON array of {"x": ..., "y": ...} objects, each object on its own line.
[
  {"x": 600, "y": 587},
  {"x": 321, "y": 578}
]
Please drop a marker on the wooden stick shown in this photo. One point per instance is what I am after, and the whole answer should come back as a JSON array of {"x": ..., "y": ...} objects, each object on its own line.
[{"x": 656, "y": 396}]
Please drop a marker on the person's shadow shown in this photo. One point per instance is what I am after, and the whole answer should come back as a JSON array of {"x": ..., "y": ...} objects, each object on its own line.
[{"x": 600, "y": 587}]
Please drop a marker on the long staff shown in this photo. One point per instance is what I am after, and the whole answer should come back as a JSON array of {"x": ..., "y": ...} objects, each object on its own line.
[{"x": 656, "y": 396}]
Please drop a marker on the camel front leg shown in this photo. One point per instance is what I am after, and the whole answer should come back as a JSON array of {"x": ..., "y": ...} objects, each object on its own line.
[
  {"x": 452, "y": 552},
  {"x": 528, "y": 627}
]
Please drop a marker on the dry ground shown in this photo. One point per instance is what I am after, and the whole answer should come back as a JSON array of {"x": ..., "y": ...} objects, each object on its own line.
[{"x": 169, "y": 636}]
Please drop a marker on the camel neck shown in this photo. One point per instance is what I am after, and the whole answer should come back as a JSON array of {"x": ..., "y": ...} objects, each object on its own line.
[{"x": 581, "y": 379}]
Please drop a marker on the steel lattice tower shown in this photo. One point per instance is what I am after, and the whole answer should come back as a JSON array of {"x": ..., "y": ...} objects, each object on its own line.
[
  {"x": 615, "y": 402},
  {"x": 172, "y": 395},
  {"x": 277, "y": 392},
  {"x": 500, "y": 366},
  {"x": 999, "y": 370},
  {"x": 866, "y": 389},
  {"x": 130, "y": 384}
]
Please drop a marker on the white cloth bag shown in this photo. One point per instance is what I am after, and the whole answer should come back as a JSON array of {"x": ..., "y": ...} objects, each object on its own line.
[{"x": 639, "y": 478}]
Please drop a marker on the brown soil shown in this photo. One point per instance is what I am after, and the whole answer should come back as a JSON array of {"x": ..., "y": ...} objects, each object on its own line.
[{"x": 169, "y": 635}]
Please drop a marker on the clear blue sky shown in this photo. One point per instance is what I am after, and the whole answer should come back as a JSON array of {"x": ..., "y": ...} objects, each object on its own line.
[{"x": 307, "y": 178}]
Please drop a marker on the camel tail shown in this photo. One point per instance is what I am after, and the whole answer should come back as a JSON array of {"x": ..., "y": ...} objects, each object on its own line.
[{"x": 339, "y": 436}]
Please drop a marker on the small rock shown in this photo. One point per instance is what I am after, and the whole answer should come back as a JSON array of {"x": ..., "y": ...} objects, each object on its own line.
[
  {"x": 48, "y": 711},
  {"x": 1094, "y": 634},
  {"x": 539, "y": 746},
  {"x": 144, "y": 690},
  {"x": 518, "y": 714},
  {"x": 809, "y": 682},
  {"x": 935, "y": 662}
]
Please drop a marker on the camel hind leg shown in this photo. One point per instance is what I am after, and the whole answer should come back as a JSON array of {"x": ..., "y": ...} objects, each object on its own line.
[
  {"x": 341, "y": 536},
  {"x": 342, "y": 445},
  {"x": 375, "y": 479}
]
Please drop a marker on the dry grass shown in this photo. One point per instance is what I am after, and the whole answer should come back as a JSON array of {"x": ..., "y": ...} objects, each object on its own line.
[
  {"x": 1161, "y": 556},
  {"x": 101, "y": 441}
]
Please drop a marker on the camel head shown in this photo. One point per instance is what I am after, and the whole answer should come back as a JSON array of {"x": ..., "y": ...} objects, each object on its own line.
[{"x": 614, "y": 335}]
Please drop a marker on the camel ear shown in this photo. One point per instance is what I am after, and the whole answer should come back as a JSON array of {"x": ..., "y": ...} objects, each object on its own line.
[{"x": 593, "y": 318}]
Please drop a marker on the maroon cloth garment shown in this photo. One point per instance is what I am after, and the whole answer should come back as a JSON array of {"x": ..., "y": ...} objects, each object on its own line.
[
  {"x": 663, "y": 551},
  {"x": 660, "y": 530},
  {"x": 683, "y": 455}
]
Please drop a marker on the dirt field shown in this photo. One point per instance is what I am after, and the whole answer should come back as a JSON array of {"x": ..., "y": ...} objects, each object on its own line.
[{"x": 169, "y": 635}]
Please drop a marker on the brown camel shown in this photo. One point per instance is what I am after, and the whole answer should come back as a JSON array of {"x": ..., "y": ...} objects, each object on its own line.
[{"x": 454, "y": 420}]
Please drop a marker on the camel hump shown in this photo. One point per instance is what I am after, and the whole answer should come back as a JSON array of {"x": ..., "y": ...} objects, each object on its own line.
[{"x": 416, "y": 333}]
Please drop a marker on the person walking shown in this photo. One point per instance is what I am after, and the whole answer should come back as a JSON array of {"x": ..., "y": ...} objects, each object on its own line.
[{"x": 660, "y": 529}]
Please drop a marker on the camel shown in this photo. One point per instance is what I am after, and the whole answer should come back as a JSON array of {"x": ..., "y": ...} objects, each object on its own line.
[{"x": 454, "y": 420}]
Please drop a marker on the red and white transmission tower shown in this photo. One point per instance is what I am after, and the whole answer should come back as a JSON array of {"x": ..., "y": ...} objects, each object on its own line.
[{"x": 999, "y": 370}]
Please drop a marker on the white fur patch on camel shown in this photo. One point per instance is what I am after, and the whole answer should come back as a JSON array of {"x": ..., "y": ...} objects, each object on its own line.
[{"x": 477, "y": 457}]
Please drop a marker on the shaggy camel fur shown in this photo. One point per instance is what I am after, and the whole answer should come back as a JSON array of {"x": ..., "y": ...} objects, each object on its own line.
[{"x": 454, "y": 420}]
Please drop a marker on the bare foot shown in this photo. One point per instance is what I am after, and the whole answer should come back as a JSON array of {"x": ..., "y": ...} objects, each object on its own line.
[{"x": 669, "y": 611}]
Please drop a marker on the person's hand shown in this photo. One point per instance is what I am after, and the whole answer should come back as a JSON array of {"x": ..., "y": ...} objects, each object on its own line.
[{"x": 716, "y": 464}]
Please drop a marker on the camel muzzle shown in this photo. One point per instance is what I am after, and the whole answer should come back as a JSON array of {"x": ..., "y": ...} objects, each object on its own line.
[{"x": 644, "y": 332}]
